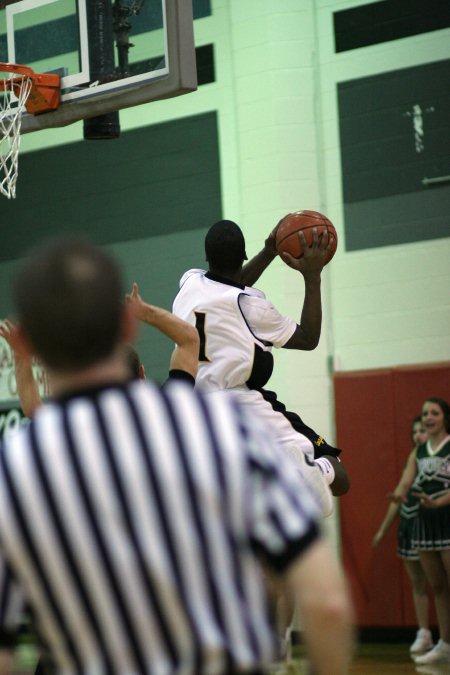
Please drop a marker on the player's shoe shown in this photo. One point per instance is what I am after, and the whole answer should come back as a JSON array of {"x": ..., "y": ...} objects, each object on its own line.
[
  {"x": 423, "y": 642},
  {"x": 439, "y": 654}
]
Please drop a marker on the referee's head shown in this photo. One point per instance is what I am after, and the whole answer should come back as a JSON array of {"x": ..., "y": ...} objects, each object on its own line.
[
  {"x": 69, "y": 302},
  {"x": 225, "y": 247}
]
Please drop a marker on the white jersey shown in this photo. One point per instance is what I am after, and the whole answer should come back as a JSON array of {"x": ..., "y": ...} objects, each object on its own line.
[{"x": 238, "y": 327}]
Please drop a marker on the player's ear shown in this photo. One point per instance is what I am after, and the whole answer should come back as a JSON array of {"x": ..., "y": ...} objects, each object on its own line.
[{"x": 129, "y": 325}]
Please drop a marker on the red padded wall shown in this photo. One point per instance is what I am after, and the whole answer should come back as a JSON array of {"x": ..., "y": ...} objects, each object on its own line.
[{"x": 374, "y": 409}]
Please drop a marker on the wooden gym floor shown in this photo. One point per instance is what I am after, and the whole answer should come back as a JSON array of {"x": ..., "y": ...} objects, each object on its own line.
[{"x": 370, "y": 659}]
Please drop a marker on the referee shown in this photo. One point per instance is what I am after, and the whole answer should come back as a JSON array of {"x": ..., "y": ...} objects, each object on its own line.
[{"x": 132, "y": 519}]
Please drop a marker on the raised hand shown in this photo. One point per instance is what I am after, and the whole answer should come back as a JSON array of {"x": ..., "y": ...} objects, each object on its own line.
[{"x": 136, "y": 304}]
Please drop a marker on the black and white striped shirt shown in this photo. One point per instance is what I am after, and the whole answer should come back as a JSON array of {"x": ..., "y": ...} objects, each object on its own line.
[{"x": 129, "y": 521}]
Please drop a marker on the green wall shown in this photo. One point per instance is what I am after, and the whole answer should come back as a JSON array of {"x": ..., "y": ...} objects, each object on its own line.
[{"x": 394, "y": 131}]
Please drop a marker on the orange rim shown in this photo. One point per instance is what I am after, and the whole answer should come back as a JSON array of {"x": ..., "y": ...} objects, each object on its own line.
[{"x": 45, "y": 87}]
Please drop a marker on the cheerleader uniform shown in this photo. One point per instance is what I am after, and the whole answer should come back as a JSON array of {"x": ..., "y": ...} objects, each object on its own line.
[
  {"x": 408, "y": 515},
  {"x": 431, "y": 530}
]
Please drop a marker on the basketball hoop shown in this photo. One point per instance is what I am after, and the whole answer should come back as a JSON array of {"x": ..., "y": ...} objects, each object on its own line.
[{"x": 30, "y": 91}]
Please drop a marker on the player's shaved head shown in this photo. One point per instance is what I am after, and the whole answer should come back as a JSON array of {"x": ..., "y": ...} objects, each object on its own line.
[
  {"x": 225, "y": 246},
  {"x": 69, "y": 299}
]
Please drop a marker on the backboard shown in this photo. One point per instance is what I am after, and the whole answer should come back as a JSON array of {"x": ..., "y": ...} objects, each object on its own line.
[{"x": 153, "y": 52}]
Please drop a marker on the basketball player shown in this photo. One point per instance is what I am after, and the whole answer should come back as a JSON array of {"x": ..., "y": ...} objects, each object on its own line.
[{"x": 238, "y": 327}]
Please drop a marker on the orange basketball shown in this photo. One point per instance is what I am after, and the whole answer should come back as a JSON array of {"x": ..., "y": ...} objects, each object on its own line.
[{"x": 287, "y": 238}]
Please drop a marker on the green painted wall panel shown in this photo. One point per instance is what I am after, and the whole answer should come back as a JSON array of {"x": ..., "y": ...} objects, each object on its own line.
[
  {"x": 153, "y": 180},
  {"x": 394, "y": 132}
]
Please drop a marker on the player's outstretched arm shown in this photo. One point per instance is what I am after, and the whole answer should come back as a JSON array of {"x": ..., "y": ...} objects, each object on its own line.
[
  {"x": 27, "y": 389},
  {"x": 252, "y": 270},
  {"x": 310, "y": 265},
  {"x": 318, "y": 583},
  {"x": 185, "y": 355}
]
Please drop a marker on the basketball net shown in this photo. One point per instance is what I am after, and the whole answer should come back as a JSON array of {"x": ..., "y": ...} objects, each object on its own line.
[{"x": 12, "y": 106}]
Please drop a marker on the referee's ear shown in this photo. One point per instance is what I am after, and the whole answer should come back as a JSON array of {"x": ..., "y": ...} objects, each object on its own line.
[{"x": 129, "y": 326}]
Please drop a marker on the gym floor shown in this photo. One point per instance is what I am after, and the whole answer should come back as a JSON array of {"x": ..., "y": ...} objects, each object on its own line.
[{"x": 370, "y": 659}]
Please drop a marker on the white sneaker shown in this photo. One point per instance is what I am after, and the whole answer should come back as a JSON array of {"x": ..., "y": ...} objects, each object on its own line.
[
  {"x": 423, "y": 642},
  {"x": 439, "y": 654}
]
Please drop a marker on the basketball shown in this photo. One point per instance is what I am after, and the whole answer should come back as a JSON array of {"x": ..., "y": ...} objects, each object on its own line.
[{"x": 287, "y": 239}]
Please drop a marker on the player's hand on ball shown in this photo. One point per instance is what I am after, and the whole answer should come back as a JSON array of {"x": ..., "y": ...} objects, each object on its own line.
[
  {"x": 313, "y": 225},
  {"x": 314, "y": 257}
]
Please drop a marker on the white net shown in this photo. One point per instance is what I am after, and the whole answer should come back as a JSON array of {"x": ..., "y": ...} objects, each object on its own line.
[{"x": 12, "y": 103}]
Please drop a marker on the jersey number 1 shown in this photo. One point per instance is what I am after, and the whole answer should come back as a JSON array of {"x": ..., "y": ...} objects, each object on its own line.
[{"x": 200, "y": 320}]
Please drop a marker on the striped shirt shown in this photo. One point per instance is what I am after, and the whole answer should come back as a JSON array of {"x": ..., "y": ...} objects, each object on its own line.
[{"x": 129, "y": 522}]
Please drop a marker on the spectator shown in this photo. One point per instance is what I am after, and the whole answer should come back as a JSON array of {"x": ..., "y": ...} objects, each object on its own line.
[
  {"x": 429, "y": 476},
  {"x": 408, "y": 512}
]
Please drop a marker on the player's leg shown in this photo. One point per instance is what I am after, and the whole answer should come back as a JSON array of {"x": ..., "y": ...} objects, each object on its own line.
[
  {"x": 297, "y": 446},
  {"x": 325, "y": 455}
]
